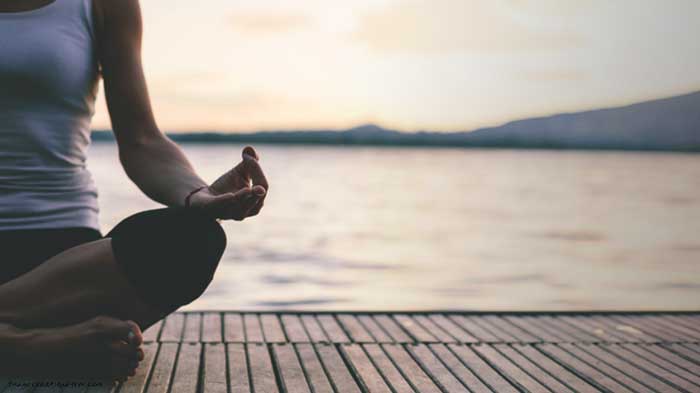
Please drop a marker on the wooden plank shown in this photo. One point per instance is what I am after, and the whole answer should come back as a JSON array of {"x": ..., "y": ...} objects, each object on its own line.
[
  {"x": 668, "y": 361},
  {"x": 625, "y": 331},
  {"x": 294, "y": 328},
  {"x": 528, "y": 325},
  {"x": 314, "y": 329},
  {"x": 315, "y": 373},
  {"x": 685, "y": 351},
  {"x": 433, "y": 328},
  {"x": 387, "y": 368},
  {"x": 253, "y": 330},
  {"x": 439, "y": 373},
  {"x": 655, "y": 326},
  {"x": 233, "y": 328},
  {"x": 469, "y": 324},
  {"x": 151, "y": 334},
  {"x": 187, "y": 368},
  {"x": 214, "y": 380},
  {"x": 591, "y": 375},
  {"x": 172, "y": 328},
  {"x": 518, "y": 334},
  {"x": 453, "y": 329},
  {"x": 555, "y": 369},
  {"x": 137, "y": 383},
  {"x": 680, "y": 331},
  {"x": 163, "y": 368},
  {"x": 531, "y": 368},
  {"x": 646, "y": 365},
  {"x": 211, "y": 328},
  {"x": 263, "y": 376},
  {"x": 374, "y": 329},
  {"x": 370, "y": 378},
  {"x": 193, "y": 325},
  {"x": 679, "y": 360},
  {"x": 392, "y": 328},
  {"x": 332, "y": 329},
  {"x": 272, "y": 330},
  {"x": 336, "y": 370},
  {"x": 572, "y": 328},
  {"x": 414, "y": 328},
  {"x": 291, "y": 373},
  {"x": 238, "y": 369},
  {"x": 552, "y": 334},
  {"x": 477, "y": 365},
  {"x": 635, "y": 328},
  {"x": 591, "y": 328},
  {"x": 617, "y": 368},
  {"x": 410, "y": 369},
  {"x": 515, "y": 375},
  {"x": 688, "y": 322},
  {"x": 464, "y": 374},
  {"x": 356, "y": 331}
]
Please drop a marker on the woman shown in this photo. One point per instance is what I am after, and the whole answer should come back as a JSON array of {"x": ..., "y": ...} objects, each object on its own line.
[{"x": 73, "y": 302}]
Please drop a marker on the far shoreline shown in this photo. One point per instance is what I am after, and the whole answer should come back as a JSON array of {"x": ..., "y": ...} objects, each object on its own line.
[{"x": 261, "y": 138}]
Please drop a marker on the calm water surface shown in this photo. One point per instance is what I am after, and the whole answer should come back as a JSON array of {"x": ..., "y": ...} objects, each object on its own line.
[{"x": 395, "y": 228}]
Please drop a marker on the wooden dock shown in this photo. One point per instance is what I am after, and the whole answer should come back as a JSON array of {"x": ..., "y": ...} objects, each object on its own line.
[{"x": 230, "y": 352}]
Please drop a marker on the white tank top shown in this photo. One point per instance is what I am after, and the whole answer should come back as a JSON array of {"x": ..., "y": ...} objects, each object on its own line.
[{"x": 48, "y": 84}]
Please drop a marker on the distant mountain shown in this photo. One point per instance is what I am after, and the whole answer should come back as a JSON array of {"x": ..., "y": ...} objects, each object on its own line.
[{"x": 664, "y": 124}]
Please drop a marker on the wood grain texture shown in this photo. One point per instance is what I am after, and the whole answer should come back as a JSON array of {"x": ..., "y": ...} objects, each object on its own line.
[{"x": 408, "y": 352}]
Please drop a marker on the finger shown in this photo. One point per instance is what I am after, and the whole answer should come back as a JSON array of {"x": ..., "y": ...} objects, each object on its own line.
[
  {"x": 234, "y": 206},
  {"x": 256, "y": 209},
  {"x": 248, "y": 150},
  {"x": 248, "y": 204},
  {"x": 250, "y": 169}
]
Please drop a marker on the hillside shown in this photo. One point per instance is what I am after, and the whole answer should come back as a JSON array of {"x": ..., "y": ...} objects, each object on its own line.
[{"x": 664, "y": 124}]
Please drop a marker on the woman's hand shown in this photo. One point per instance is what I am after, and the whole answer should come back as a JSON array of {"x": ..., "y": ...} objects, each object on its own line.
[{"x": 238, "y": 193}]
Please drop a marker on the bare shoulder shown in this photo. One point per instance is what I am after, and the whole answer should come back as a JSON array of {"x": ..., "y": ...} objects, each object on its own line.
[{"x": 121, "y": 17}]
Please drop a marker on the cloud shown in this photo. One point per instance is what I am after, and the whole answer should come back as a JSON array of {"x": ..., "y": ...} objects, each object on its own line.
[
  {"x": 456, "y": 25},
  {"x": 269, "y": 22}
]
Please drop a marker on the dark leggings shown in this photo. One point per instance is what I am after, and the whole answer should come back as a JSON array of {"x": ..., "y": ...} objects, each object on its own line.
[{"x": 168, "y": 255}]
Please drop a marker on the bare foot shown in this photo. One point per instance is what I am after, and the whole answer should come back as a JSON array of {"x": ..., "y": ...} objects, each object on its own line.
[{"x": 102, "y": 347}]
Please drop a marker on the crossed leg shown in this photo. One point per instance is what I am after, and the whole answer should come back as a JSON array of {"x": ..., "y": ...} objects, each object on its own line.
[{"x": 78, "y": 308}]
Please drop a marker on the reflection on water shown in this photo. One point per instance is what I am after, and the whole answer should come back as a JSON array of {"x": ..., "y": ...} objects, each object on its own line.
[{"x": 394, "y": 228}]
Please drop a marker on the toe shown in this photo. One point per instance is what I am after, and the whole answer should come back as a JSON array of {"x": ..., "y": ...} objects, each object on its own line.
[
  {"x": 116, "y": 329},
  {"x": 135, "y": 336},
  {"x": 121, "y": 348}
]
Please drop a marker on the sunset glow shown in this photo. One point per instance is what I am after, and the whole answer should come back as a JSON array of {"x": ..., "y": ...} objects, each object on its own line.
[{"x": 413, "y": 64}]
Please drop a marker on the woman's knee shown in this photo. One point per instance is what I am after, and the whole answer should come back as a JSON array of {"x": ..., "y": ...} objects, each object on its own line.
[{"x": 168, "y": 255}]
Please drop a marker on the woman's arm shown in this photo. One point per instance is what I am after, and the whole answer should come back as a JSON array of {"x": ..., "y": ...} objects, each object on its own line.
[{"x": 151, "y": 160}]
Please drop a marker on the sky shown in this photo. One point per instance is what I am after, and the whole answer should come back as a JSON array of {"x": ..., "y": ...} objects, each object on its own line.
[{"x": 442, "y": 65}]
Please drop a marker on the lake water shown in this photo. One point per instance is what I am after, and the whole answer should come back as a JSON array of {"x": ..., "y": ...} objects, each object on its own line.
[{"x": 365, "y": 228}]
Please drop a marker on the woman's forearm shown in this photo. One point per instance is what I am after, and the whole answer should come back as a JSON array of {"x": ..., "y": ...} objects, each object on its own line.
[{"x": 160, "y": 169}]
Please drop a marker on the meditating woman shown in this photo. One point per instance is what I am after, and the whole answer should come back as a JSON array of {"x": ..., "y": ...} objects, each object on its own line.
[{"x": 74, "y": 302}]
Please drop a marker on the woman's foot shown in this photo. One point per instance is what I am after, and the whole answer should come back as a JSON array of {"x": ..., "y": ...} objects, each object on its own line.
[{"x": 102, "y": 347}]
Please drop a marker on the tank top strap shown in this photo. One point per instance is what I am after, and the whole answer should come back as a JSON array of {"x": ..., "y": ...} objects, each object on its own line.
[{"x": 68, "y": 13}]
